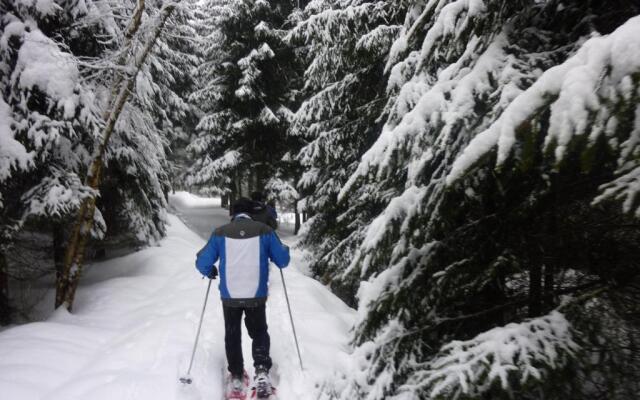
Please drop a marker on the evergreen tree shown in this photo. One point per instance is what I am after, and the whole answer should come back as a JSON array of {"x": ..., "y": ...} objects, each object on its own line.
[
  {"x": 344, "y": 46},
  {"x": 57, "y": 61},
  {"x": 243, "y": 95},
  {"x": 49, "y": 120},
  {"x": 171, "y": 65},
  {"x": 455, "y": 265}
]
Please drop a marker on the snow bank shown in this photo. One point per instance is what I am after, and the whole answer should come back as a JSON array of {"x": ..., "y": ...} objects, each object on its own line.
[
  {"x": 191, "y": 200},
  {"x": 131, "y": 333}
]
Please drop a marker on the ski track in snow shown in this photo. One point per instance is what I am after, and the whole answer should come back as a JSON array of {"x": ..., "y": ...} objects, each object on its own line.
[{"x": 132, "y": 330}]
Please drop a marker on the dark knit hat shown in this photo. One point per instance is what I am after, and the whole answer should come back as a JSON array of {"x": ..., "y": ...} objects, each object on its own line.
[{"x": 242, "y": 205}]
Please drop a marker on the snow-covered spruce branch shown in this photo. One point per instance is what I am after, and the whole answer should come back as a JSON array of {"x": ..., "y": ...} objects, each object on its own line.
[
  {"x": 519, "y": 352},
  {"x": 57, "y": 195},
  {"x": 577, "y": 295},
  {"x": 589, "y": 96},
  {"x": 330, "y": 25}
]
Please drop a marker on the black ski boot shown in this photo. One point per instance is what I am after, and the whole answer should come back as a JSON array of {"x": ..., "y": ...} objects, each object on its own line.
[{"x": 262, "y": 383}]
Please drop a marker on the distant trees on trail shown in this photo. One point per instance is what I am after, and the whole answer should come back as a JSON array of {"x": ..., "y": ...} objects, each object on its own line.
[{"x": 246, "y": 88}]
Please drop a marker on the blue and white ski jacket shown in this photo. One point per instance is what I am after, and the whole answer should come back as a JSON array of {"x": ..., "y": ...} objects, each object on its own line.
[{"x": 244, "y": 248}]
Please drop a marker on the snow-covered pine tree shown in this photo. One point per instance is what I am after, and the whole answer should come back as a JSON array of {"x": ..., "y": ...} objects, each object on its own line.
[
  {"x": 344, "y": 46},
  {"x": 49, "y": 119},
  {"x": 448, "y": 265},
  {"x": 153, "y": 122},
  {"x": 243, "y": 94},
  {"x": 129, "y": 61},
  {"x": 171, "y": 67},
  {"x": 56, "y": 63}
]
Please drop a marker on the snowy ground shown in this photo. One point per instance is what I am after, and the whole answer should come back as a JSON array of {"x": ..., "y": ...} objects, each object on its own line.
[
  {"x": 189, "y": 200},
  {"x": 135, "y": 318}
]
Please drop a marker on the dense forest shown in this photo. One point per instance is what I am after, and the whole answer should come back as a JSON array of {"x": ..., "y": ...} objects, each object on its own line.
[{"x": 466, "y": 173}]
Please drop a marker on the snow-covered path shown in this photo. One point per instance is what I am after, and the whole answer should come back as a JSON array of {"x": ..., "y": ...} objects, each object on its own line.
[{"x": 131, "y": 333}]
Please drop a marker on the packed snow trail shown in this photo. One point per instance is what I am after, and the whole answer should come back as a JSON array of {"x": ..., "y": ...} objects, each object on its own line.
[{"x": 132, "y": 330}]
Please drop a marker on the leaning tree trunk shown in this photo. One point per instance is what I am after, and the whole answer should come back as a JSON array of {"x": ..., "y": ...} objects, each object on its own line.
[{"x": 74, "y": 257}]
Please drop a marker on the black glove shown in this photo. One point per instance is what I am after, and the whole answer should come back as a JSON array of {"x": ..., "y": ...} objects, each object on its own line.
[{"x": 213, "y": 274}]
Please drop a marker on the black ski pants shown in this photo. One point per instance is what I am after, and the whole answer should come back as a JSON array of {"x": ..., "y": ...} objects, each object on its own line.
[{"x": 256, "y": 322}]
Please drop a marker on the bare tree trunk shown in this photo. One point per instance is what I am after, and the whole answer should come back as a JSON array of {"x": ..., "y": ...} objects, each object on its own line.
[
  {"x": 237, "y": 184},
  {"x": 260, "y": 178},
  {"x": 74, "y": 257},
  {"x": 535, "y": 289},
  {"x": 5, "y": 307},
  {"x": 296, "y": 227},
  {"x": 554, "y": 245},
  {"x": 234, "y": 190},
  {"x": 57, "y": 232}
]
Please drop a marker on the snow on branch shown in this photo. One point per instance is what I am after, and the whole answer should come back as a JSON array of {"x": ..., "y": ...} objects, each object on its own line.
[
  {"x": 397, "y": 213},
  {"x": 251, "y": 73},
  {"x": 577, "y": 93},
  {"x": 12, "y": 153},
  {"x": 379, "y": 40},
  {"x": 281, "y": 190},
  {"x": 453, "y": 19},
  {"x": 523, "y": 351},
  {"x": 215, "y": 169},
  {"x": 42, "y": 64},
  {"x": 57, "y": 195},
  {"x": 336, "y": 25}
]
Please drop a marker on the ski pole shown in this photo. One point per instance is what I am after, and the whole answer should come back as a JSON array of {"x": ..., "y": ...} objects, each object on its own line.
[
  {"x": 293, "y": 327},
  {"x": 187, "y": 378}
]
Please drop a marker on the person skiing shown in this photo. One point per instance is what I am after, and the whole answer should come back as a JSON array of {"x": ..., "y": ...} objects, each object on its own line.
[
  {"x": 244, "y": 248},
  {"x": 262, "y": 211}
]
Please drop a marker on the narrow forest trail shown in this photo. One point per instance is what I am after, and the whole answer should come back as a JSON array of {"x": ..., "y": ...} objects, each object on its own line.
[{"x": 131, "y": 333}]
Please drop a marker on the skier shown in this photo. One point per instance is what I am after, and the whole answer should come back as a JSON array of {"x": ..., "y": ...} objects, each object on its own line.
[
  {"x": 262, "y": 211},
  {"x": 244, "y": 248}
]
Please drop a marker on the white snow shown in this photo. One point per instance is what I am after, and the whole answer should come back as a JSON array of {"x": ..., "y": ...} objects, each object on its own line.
[
  {"x": 133, "y": 326},
  {"x": 56, "y": 195},
  {"x": 42, "y": 64},
  {"x": 47, "y": 7},
  {"x": 187, "y": 199},
  {"x": 453, "y": 18},
  {"x": 397, "y": 212},
  {"x": 469, "y": 367},
  {"x": 12, "y": 153}
]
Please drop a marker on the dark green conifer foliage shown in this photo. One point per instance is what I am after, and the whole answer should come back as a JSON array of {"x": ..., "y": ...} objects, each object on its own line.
[
  {"x": 344, "y": 46},
  {"x": 56, "y": 65},
  {"x": 450, "y": 258},
  {"x": 244, "y": 94}
]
